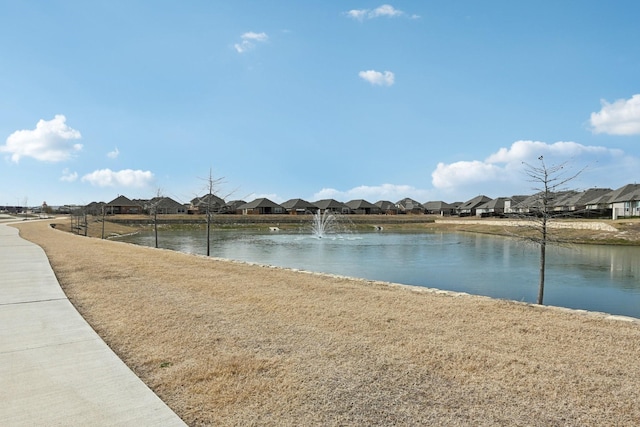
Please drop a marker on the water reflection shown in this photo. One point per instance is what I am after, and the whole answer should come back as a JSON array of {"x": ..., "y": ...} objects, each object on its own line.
[{"x": 599, "y": 278}]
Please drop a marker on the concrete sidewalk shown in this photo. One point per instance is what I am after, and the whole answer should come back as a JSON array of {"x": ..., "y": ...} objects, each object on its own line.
[{"x": 54, "y": 369}]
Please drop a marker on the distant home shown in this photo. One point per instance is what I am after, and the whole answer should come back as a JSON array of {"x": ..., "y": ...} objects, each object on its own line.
[
  {"x": 528, "y": 205},
  {"x": 438, "y": 208},
  {"x": 207, "y": 203},
  {"x": 386, "y": 207},
  {"x": 626, "y": 205},
  {"x": 332, "y": 206},
  {"x": 122, "y": 205},
  {"x": 594, "y": 202},
  {"x": 513, "y": 201},
  {"x": 576, "y": 201},
  {"x": 623, "y": 202},
  {"x": 494, "y": 207},
  {"x": 591, "y": 202},
  {"x": 469, "y": 207},
  {"x": 232, "y": 206},
  {"x": 96, "y": 208},
  {"x": 299, "y": 207},
  {"x": 409, "y": 206},
  {"x": 362, "y": 207},
  {"x": 262, "y": 206},
  {"x": 164, "y": 206}
]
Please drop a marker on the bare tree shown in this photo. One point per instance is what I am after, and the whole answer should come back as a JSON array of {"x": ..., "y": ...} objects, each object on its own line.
[
  {"x": 78, "y": 216},
  {"x": 548, "y": 180},
  {"x": 212, "y": 187},
  {"x": 103, "y": 213},
  {"x": 153, "y": 211},
  {"x": 85, "y": 221}
]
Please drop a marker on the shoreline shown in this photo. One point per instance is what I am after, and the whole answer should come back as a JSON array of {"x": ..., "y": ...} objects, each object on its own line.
[
  {"x": 424, "y": 289},
  {"x": 419, "y": 289},
  {"x": 223, "y": 342},
  {"x": 598, "y": 232},
  {"x": 588, "y": 226}
]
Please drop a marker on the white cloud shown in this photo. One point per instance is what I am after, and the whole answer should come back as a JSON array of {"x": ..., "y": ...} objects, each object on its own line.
[
  {"x": 524, "y": 151},
  {"x": 505, "y": 166},
  {"x": 68, "y": 176},
  {"x": 385, "y": 10},
  {"x": 358, "y": 14},
  {"x": 113, "y": 154},
  {"x": 462, "y": 173},
  {"x": 249, "y": 40},
  {"x": 391, "y": 192},
  {"x": 378, "y": 78},
  {"x": 620, "y": 118},
  {"x": 50, "y": 141},
  {"x": 122, "y": 178}
]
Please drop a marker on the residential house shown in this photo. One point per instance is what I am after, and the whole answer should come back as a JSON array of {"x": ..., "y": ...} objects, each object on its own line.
[
  {"x": 512, "y": 202},
  {"x": 332, "y": 205},
  {"x": 409, "y": 206},
  {"x": 262, "y": 206},
  {"x": 438, "y": 208},
  {"x": 469, "y": 207},
  {"x": 625, "y": 201},
  {"x": 627, "y": 205},
  {"x": 600, "y": 204},
  {"x": 208, "y": 202},
  {"x": 165, "y": 206},
  {"x": 494, "y": 207},
  {"x": 140, "y": 202},
  {"x": 122, "y": 205},
  {"x": 575, "y": 202},
  {"x": 386, "y": 207},
  {"x": 530, "y": 205},
  {"x": 232, "y": 206},
  {"x": 96, "y": 208},
  {"x": 299, "y": 207},
  {"x": 362, "y": 207},
  {"x": 533, "y": 204},
  {"x": 559, "y": 201}
]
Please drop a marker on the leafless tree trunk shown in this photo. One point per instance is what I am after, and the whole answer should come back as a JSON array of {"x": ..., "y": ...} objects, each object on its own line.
[
  {"x": 155, "y": 225},
  {"x": 103, "y": 209},
  {"x": 548, "y": 181},
  {"x": 543, "y": 260},
  {"x": 212, "y": 185},
  {"x": 154, "y": 212}
]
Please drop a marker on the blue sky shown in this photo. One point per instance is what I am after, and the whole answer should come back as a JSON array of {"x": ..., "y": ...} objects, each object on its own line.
[{"x": 433, "y": 100}]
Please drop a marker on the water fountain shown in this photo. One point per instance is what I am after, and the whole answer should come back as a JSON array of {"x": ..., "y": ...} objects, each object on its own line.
[{"x": 324, "y": 223}]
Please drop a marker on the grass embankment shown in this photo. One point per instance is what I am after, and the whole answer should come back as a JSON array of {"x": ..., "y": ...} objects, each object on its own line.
[
  {"x": 628, "y": 230},
  {"x": 124, "y": 224},
  {"x": 226, "y": 343}
]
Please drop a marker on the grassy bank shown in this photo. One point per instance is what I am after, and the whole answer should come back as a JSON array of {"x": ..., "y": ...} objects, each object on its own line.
[
  {"x": 124, "y": 224},
  {"x": 226, "y": 343},
  {"x": 627, "y": 230}
]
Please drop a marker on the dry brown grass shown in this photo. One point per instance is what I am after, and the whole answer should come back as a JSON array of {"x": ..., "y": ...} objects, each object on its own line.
[
  {"x": 95, "y": 227},
  {"x": 226, "y": 343}
]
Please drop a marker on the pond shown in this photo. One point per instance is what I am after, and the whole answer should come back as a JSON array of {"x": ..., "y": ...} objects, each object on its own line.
[{"x": 590, "y": 277}]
